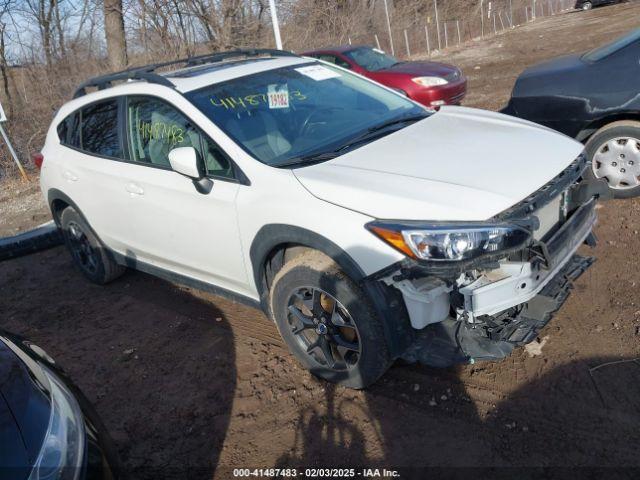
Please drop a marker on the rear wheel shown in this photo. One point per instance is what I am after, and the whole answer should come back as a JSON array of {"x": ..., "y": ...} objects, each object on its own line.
[
  {"x": 89, "y": 255},
  {"x": 327, "y": 322},
  {"x": 587, "y": 6},
  {"x": 614, "y": 152}
]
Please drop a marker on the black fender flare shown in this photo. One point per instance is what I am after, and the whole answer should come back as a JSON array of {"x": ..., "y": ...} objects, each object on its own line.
[
  {"x": 386, "y": 300},
  {"x": 54, "y": 194}
]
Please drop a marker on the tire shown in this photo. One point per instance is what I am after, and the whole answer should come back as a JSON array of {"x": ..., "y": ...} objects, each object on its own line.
[
  {"x": 313, "y": 285},
  {"x": 586, "y": 6},
  {"x": 628, "y": 159},
  {"x": 89, "y": 255}
]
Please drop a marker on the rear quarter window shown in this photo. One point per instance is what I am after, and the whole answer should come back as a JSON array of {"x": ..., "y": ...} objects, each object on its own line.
[
  {"x": 69, "y": 130},
  {"x": 100, "y": 132}
]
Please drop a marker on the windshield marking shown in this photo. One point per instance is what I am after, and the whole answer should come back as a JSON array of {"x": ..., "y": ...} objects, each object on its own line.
[{"x": 254, "y": 100}]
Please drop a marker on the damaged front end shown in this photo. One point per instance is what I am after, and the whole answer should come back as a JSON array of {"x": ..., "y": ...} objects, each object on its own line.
[{"x": 476, "y": 291}]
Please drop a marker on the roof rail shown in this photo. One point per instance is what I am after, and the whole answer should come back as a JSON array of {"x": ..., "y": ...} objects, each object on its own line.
[{"x": 148, "y": 72}]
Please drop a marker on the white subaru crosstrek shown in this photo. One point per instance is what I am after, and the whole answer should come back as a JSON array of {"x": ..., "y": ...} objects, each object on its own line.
[{"x": 367, "y": 227}]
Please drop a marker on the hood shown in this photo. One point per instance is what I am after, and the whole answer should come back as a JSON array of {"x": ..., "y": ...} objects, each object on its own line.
[
  {"x": 458, "y": 164},
  {"x": 14, "y": 460},
  {"x": 422, "y": 69},
  {"x": 545, "y": 76}
]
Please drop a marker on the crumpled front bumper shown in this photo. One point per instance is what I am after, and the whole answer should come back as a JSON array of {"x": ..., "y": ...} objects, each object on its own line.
[
  {"x": 518, "y": 282},
  {"x": 451, "y": 341},
  {"x": 510, "y": 311}
]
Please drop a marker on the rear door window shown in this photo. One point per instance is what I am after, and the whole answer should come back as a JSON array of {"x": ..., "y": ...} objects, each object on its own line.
[{"x": 100, "y": 132}]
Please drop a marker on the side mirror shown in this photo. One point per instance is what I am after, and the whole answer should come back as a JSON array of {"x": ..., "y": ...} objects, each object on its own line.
[{"x": 184, "y": 160}]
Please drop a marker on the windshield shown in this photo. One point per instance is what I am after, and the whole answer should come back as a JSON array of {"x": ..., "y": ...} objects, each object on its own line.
[
  {"x": 301, "y": 111},
  {"x": 606, "y": 50},
  {"x": 371, "y": 59}
]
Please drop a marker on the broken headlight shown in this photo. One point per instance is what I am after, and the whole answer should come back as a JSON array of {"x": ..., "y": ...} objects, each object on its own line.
[{"x": 450, "y": 243}]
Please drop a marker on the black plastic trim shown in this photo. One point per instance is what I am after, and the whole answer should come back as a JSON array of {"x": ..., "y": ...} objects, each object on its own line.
[
  {"x": 547, "y": 192},
  {"x": 173, "y": 277},
  {"x": 54, "y": 194},
  {"x": 147, "y": 72},
  {"x": 385, "y": 300},
  {"x": 271, "y": 236}
]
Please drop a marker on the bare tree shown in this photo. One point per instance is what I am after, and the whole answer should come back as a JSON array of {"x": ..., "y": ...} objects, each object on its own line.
[
  {"x": 114, "y": 32},
  {"x": 4, "y": 8}
]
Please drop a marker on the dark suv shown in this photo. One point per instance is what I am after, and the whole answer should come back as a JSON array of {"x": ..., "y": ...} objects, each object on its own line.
[{"x": 589, "y": 4}]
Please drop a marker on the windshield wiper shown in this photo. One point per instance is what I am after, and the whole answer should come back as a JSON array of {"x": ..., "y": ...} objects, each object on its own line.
[
  {"x": 374, "y": 132},
  {"x": 396, "y": 121},
  {"x": 312, "y": 158},
  {"x": 369, "y": 134}
]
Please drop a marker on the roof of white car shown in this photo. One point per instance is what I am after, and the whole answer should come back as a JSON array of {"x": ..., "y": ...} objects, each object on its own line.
[
  {"x": 194, "y": 78},
  {"x": 199, "y": 72},
  {"x": 182, "y": 80}
]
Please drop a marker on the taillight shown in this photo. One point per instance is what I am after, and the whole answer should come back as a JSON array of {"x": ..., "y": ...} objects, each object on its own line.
[{"x": 37, "y": 158}]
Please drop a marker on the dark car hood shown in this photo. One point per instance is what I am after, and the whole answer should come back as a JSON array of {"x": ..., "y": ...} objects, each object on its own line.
[
  {"x": 22, "y": 387},
  {"x": 13, "y": 452},
  {"x": 545, "y": 75},
  {"x": 421, "y": 69}
]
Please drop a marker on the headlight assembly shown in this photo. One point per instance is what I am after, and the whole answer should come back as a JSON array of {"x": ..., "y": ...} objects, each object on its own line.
[
  {"x": 62, "y": 451},
  {"x": 451, "y": 243},
  {"x": 429, "y": 81}
]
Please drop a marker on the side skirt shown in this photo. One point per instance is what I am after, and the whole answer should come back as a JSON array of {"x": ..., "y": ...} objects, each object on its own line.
[{"x": 173, "y": 277}]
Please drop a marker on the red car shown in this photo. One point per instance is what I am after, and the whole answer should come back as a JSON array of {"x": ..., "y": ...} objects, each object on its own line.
[{"x": 429, "y": 83}]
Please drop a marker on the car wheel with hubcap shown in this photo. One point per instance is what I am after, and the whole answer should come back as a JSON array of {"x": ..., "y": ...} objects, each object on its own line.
[
  {"x": 327, "y": 322},
  {"x": 89, "y": 255},
  {"x": 614, "y": 152},
  {"x": 587, "y": 6}
]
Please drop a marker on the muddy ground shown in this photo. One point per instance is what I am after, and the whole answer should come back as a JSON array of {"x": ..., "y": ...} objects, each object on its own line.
[
  {"x": 22, "y": 206},
  {"x": 189, "y": 380}
]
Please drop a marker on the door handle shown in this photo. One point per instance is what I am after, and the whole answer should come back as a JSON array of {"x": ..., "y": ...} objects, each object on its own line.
[
  {"x": 134, "y": 189},
  {"x": 72, "y": 177}
]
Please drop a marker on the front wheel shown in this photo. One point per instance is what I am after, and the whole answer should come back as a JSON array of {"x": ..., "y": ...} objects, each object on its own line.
[
  {"x": 614, "y": 153},
  {"x": 327, "y": 321},
  {"x": 587, "y": 6}
]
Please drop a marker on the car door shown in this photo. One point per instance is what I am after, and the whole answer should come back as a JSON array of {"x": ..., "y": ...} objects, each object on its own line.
[
  {"x": 91, "y": 162},
  {"x": 170, "y": 225}
]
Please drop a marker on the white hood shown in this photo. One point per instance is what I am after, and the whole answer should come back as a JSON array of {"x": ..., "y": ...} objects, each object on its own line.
[{"x": 458, "y": 164}]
